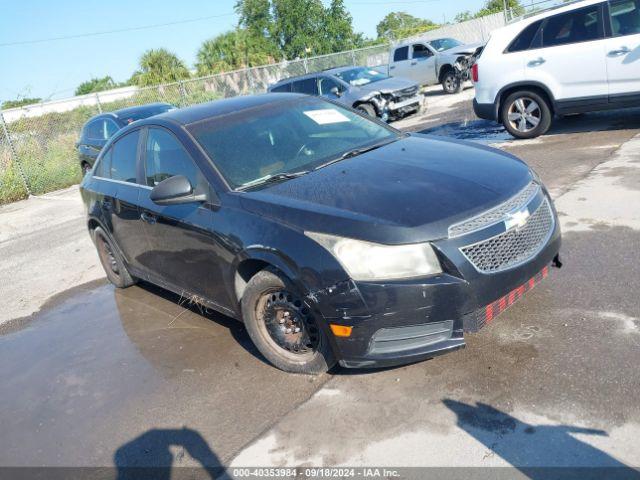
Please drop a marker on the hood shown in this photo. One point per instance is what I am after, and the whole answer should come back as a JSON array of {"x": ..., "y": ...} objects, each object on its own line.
[
  {"x": 388, "y": 85},
  {"x": 408, "y": 191},
  {"x": 467, "y": 49}
]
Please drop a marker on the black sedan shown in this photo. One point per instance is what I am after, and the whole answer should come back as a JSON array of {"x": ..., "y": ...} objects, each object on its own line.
[
  {"x": 101, "y": 128},
  {"x": 332, "y": 236}
]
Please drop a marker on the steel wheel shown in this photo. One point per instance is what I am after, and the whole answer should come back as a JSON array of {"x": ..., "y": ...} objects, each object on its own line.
[
  {"x": 107, "y": 256},
  {"x": 288, "y": 323},
  {"x": 524, "y": 114}
]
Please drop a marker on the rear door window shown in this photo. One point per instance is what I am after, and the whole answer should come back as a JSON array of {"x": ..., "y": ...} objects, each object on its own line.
[
  {"x": 282, "y": 88},
  {"x": 625, "y": 17},
  {"x": 308, "y": 86},
  {"x": 103, "y": 168},
  {"x": 577, "y": 26},
  {"x": 401, "y": 54},
  {"x": 527, "y": 39},
  {"x": 124, "y": 155}
]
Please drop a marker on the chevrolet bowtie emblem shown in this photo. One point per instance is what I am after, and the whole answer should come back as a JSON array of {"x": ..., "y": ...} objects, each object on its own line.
[{"x": 516, "y": 219}]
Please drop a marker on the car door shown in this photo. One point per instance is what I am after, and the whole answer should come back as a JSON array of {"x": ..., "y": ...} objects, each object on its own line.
[
  {"x": 423, "y": 64},
  {"x": 118, "y": 171},
  {"x": 183, "y": 253},
  {"x": 568, "y": 56},
  {"x": 623, "y": 51},
  {"x": 91, "y": 141},
  {"x": 401, "y": 64}
]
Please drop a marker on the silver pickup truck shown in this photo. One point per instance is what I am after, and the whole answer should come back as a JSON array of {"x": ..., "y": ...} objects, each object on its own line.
[{"x": 429, "y": 62}]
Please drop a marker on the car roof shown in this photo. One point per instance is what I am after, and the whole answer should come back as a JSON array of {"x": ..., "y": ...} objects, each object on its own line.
[
  {"x": 126, "y": 112},
  {"x": 328, "y": 71},
  {"x": 418, "y": 39},
  {"x": 216, "y": 108},
  {"x": 518, "y": 24}
]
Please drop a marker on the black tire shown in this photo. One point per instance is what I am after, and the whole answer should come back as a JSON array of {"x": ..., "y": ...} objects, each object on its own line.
[
  {"x": 367, "y": 109},
  {"x": 111, "y": 260},
  {"x": 269, "y": 299},
  {"x": 86, "y": 168},
  {"x": 451, "y": 83},
  {"x": 521, "y": 110}
]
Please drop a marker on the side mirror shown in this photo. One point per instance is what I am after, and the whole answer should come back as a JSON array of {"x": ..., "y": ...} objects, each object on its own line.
[
  {"x": 336, "y": 91},
  {"x": 175, "y": 190}
]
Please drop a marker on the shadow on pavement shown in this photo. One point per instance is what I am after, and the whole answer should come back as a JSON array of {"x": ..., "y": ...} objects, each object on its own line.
[
  {"x": 538, "y": 451},
  {"x": 149, "y": 456}
]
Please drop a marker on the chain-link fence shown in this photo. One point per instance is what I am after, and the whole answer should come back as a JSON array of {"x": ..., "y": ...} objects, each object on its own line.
[{"x": 37, "y": 142}]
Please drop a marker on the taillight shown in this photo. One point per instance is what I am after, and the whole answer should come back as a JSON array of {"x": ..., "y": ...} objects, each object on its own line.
[{"x": 474, "y": 73}]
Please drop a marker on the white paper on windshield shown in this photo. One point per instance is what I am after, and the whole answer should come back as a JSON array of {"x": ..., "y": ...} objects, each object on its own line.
[{"x": 326, "y": 116}]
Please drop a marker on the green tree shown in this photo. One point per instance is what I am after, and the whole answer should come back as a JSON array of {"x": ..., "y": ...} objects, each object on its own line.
[
  {"x": 339, "y": 28},
  {"x": 96, "y": 85},
  {"x": 463, "y": 16},
  {"x": 159, "y": 66},
  {"x": 400, "y": 24},
  {"x": 298, "y": 27},
  {"x": 497, "y": 6},
  {"x": 231, "y": 51},
  {"x": 20, "y": 102}
]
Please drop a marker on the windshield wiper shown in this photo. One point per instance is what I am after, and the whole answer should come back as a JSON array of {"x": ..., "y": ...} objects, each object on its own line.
[
  {"x": 355, "y": 152},
  {"x": 276, "y": 177}
]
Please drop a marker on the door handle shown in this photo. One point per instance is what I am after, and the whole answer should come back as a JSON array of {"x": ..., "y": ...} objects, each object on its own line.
[
  {"x": 536, "y": 62},
  {"x": 149, "y": 218},
  {"x": 617, "y": 53},
  {"x": 391, "y": 67},
  {"x": 415, "y": 62}
]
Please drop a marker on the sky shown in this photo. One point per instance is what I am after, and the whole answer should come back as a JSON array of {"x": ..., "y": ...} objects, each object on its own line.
[{"x": 54, "y": 68}]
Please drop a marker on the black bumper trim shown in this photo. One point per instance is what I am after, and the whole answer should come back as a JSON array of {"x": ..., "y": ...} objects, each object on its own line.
[{"x": 486, "y": 111}]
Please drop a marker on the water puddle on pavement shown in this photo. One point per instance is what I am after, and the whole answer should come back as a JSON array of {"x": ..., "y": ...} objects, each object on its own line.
[
  {"x": 98, "y": 367},
  {"x": 480, "y": 131}
]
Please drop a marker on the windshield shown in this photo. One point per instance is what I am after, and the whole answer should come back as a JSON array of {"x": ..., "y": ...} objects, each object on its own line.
[
  {"x": 361, "y": 76},
  {"x": 443, "y": 44},
  {"x": 288, "y": 137}
]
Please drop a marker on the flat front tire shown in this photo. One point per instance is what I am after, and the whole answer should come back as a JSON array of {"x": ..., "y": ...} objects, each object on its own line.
[
  {"x": 111, "y": 260},
  {"x": 283, "y": 327},
  {"x": 367, "y": 109},
  {"x": 526, "y": 114}
]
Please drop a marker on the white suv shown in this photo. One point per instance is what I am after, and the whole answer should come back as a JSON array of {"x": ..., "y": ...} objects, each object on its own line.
[{"x": 579, "y": 57}]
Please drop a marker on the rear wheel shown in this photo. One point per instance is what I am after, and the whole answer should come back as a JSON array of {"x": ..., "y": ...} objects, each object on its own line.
[
  {"x": 111, "y": 260},
  {"x": 526, "y": 114},
  {"x": 283, "y": 327}
]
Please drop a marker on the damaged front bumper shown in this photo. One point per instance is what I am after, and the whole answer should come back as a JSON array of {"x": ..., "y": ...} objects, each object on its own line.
[{"x": 400, "y": 322}]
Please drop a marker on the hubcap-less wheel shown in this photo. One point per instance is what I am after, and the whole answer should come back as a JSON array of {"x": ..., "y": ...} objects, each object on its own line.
[
  {"x": 107, "y": 256},
  {"x": 524, "y": 114},
  {"x": 288, "y": 322}
]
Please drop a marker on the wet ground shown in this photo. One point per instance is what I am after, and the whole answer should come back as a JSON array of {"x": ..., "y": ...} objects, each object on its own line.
[
  {"x": 137, "y": 377},
  {"x": 105, "y": 376}
]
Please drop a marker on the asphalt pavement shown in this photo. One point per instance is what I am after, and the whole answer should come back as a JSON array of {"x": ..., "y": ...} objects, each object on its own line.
[{"x": 103, "y": 377}]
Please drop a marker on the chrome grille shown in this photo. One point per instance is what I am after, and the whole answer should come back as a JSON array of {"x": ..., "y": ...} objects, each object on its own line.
[
  {"x": 514, "y": 246},
  {"x": 495, "y": 215}
]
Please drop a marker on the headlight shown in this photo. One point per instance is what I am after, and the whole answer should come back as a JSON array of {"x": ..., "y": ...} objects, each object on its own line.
[{"x": 373, "y": 261}]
